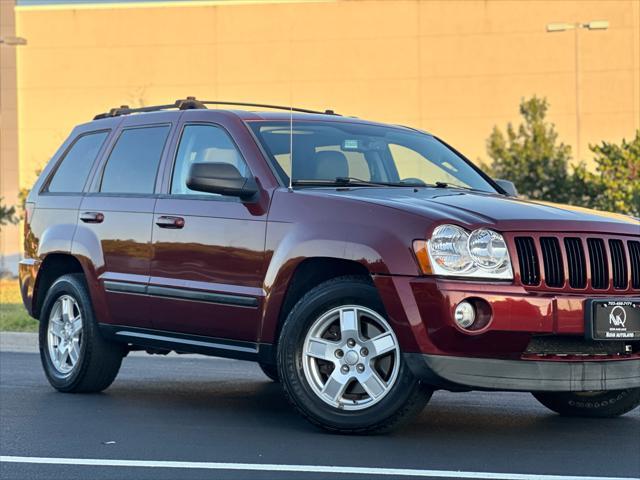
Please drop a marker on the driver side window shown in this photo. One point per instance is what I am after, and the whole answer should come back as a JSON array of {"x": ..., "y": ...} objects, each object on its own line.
[{"x": 203, "y": 144}]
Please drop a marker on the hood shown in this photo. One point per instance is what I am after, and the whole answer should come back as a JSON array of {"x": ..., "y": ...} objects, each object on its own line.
[{"x": 474, "y": 209}]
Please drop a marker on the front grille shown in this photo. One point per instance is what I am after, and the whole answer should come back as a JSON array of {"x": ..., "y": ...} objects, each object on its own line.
[
  {"x": 598, "y": 262},
  {"x": 576, "y": 262},
  {"x": 528, "y": 261},
  {"x": 552, "y": 259},
  {"x": 619, "y": 264},
  {"x": 558, "y": 260},
  {"x": 566, "y": 345},
  {"x": 634, "y": 255}
]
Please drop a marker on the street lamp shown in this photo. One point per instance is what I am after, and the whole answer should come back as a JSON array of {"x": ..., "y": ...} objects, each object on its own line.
[
  {"x": 13, "y": 41},
  {"x": 562, "y": 27}
]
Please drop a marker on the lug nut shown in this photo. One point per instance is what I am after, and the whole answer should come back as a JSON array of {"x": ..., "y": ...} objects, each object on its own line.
[
  {"x": 351, "y": 342},
  {"x": 364, "y": 352},
  {"x": 360, "y": 368},
  {"x": 339, "y": 353},
  {"x": 344, "y": 369}
]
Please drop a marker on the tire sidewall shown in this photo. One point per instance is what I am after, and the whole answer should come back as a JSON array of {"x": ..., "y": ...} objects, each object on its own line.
[
  {"x": 609, "y": 403},
  {"x": 66, "y": 285},
  {"x": 290, "y": 347}
]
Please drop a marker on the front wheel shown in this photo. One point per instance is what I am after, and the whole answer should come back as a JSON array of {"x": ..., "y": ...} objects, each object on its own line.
[
  {"x": 340, "y": 361},
  {"x": 610, "y": 403}
]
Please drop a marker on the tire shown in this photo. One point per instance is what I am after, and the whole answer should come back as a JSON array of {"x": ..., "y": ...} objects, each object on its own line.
[
  {"x": 355, "y": 410},
  {"x": 97, "y": 360},
  {"x": 605, "y": 404},
  {"x": 270, "y": 371}
]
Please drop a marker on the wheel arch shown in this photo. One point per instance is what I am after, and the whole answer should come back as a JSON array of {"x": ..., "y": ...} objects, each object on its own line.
[
  {"x": 53, "y": 266},
  {"x": 304, "y": 275}
]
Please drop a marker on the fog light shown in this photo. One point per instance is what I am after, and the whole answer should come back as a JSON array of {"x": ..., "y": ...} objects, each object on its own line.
[{"x": 465, "y": 314}]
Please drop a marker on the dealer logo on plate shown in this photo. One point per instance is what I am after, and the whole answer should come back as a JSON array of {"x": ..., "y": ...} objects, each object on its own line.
[{"x": 618, "y": 316}]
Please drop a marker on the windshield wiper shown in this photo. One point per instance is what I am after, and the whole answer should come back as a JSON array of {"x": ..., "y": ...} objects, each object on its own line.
[
  {"x": 359, "y": 181},
  {"x": 341, "y": 181},
  {"x": 451, "y": 185}
]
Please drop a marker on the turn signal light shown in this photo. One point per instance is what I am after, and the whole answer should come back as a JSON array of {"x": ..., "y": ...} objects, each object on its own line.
[{"x": 422, "y": 256}]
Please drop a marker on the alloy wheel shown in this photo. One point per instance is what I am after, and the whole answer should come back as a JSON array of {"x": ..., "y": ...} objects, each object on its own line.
[
  {"x": 64, "y": 334},
  {"x": 351, "y": 357}
]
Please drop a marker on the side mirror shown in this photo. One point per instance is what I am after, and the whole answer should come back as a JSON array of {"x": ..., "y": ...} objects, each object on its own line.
[
  {"x": 509, "y": 187},
  {"x": 221, "y": 178}
]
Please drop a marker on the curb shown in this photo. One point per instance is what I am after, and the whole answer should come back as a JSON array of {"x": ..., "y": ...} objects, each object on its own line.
[{"x": 21, "y": 342}]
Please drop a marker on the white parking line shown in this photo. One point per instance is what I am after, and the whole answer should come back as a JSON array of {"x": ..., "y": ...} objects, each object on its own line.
[{"x": 266, "y": 467}]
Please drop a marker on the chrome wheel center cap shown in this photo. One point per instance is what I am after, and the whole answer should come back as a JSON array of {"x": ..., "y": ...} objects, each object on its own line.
[{"x": 351, "y": 357}]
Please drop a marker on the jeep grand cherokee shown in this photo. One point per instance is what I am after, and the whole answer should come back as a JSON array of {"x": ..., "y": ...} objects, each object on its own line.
[{"x": 363, "y": 265}]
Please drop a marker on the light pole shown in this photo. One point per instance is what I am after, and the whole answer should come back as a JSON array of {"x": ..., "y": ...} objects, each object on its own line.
[{"x": 563, "y": 27}]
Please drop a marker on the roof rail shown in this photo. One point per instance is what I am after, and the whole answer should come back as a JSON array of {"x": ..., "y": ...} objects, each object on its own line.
[{"x": 190, "y": 103}]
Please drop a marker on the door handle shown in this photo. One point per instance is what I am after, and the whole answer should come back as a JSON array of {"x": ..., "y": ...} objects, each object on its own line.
[
  {"x": 170, "y": 222},
  {"x": 92, "y": 217}
]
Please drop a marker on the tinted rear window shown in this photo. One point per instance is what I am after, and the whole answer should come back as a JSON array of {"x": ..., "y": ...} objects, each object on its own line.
[
  {"x": 72, "y": 173},
  {"x": 133, "y": 162}
]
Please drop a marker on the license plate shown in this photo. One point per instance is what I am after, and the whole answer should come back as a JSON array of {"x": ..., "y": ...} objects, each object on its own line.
[{"x": 613, "y": 319}]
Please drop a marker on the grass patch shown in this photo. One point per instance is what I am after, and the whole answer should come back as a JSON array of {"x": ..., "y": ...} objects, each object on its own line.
[{"x": 13, "y": 316}]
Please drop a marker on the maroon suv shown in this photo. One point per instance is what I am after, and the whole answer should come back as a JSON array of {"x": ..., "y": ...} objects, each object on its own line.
[{"x": 362, "y": 265}]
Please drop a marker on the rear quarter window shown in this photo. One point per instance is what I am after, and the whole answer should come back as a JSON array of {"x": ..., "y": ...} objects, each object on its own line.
[{"x": 72, "y": 173}]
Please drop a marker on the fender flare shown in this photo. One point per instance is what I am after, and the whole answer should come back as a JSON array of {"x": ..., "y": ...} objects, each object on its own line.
[{"x": 303, "y": 244}]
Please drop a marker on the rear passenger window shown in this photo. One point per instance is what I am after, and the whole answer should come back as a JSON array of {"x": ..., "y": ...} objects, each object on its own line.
[
  {"x": 203, "y": 144},
  {"x": 72, "y": 173},
  {"x": 133, "y": 163}
]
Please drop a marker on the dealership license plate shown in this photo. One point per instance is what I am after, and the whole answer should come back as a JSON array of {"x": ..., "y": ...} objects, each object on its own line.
[{"x": 613, "y": 319}]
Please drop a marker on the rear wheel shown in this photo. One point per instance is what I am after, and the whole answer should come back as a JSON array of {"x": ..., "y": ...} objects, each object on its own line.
[
  {"x": 610, "y": 403},
  {"x": 74, "y": 355},
  {"x": 340, "y": 361}
]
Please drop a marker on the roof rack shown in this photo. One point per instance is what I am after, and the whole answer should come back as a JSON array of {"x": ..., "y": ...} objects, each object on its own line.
[{"x": 191, "y": 103}]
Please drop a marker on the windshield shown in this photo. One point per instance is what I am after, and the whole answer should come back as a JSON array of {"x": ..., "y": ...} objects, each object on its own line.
[{"x": 340, "y": 152}]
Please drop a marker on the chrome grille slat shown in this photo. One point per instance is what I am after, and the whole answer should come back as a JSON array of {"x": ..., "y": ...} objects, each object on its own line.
[
  {"x": 598, "y": 262},
  {"x": 528, "y": 261},
  {"x": 619, "y": 264},
  {"x": 552, "y": 260},
  {"x": 576, "y": 262}
]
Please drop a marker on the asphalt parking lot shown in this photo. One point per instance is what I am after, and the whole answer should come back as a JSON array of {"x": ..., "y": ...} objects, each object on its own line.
[{"x": 216, "y": 418}]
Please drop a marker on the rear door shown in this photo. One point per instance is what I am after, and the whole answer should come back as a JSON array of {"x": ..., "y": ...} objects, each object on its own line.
[
  {"x": 117, "y": 216},
  {"x": 208, "y": 265},
  {"x": 56, "y": 197}
]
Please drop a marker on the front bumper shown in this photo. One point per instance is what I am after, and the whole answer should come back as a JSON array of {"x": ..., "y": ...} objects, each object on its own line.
[
  {"x": 460, "y": 373},
  {"x": 421, "y": 310}
]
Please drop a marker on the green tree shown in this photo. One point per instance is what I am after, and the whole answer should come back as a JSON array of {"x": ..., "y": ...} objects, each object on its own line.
[
  {"x": 530, "y": 155},
  {"x": 615, "y": 184},
  {"x": 7, "y": 214}
]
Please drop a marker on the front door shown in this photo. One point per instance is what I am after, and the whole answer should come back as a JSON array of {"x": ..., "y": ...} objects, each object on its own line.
[{"x": 208, "y": 264}]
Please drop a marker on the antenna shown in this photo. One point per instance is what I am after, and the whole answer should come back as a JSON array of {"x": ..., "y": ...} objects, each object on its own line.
[{"x": 291, "y": 147}]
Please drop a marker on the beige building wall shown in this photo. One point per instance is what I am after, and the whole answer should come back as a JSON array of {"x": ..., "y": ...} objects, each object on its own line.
[
  {"x": 455, "y": 68},
  {"x": 9, "y": 234}
]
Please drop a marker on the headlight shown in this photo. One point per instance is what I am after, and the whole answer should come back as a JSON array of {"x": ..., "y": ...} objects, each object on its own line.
[
  {"x": 488, "y": 249},
  {"x": 452, "y": 251},
  {"x": 448, "y": 249}
]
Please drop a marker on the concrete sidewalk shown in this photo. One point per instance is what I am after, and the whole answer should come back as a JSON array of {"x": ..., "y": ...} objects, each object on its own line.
[{"x": 22, "y": 342}]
